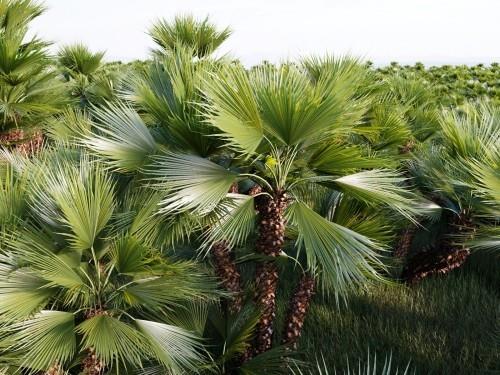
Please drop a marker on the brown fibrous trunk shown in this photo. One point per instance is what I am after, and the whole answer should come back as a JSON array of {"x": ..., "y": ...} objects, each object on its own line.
[
  {"x": 446, "y": 257},
  {"x": 269, "y": 242},
  {"x": 405, "y": 240},
  {"x": 297, "y": 310},
  {"x": 55, "y": 369},
  {"x": 18, "y": 140},
  {"x": 434, "y": 262},
  {"x": 92, "y": 365},
  {"x": 227, "y": 272}
]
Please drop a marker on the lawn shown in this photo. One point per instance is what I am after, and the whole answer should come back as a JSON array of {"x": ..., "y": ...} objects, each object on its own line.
[{"x": 445, "y": 325}]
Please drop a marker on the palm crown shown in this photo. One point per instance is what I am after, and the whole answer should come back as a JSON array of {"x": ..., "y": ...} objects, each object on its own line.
[
  {"x": 28, "y": 87},
  {"x": 81, "y": 283}
]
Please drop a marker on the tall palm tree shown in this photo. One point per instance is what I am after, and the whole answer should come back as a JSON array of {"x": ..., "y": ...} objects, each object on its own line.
[
  {"x": 29, "y": 90},
  {"x": 82, "y": 286},
  {"x": 459, "y": 172},
  {"x": 287, "y": 131}
]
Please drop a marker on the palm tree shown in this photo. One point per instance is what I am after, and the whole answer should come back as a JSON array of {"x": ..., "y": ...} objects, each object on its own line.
[
  {"x": 90, "y": 82},
  {"x": 29, "y": 90},
  {"x": 459, "y": 172},
  {"x": 287, "y": 131},
  {"x": 201, "y": 37},
  {"x": 82, "y": 285}
]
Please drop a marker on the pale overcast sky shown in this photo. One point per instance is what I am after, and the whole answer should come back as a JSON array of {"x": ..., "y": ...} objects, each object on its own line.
[{"x": 431, "y": 31}]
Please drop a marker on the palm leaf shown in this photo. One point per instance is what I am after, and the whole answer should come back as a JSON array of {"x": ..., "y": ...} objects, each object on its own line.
[
  {"x": 116, "y": 343},
  {"x": 124, "y": 139},
  {"x": 84, "y": 196},
  {"x": 46, "y": 339},
  {"x": 233, "y": 109},
  {"x": 344, "y": 258},
  {"x": 175, "y": 348},
  {"x": 379, "y": 186},
  {"x": 192, "y": 182},
  {"x": 233, "y": 223}
]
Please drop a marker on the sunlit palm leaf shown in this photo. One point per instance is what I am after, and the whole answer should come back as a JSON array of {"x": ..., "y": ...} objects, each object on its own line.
[
  {"x": 233, "y": 108},
  {"x": 78, "y": 59},
  {"x": 185, "y": 31},
  {"x": 123, "y": 137},
  {"x": 192, "y": 182},
  {"x": 343, "y": 257},
  {"x": 233, "y": 223},
  {"x": 84, "y": 196},
  {"x": 175, "y": 348},
  {"x": 46, "y": 339},
  {"x": 115, "y": 342},
  {"x": 380, "y": 186},
  {"x": 22, "y": 292}
]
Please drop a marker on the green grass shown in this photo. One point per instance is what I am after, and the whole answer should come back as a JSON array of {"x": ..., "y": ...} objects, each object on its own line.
[{"x": 444, "y": 325}]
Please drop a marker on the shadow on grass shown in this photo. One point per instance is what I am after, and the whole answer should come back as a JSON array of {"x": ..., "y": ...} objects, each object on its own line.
[{"x": 444, "y": 325}]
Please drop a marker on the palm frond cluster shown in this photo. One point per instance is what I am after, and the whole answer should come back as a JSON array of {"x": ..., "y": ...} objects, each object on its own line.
[{"x": 151, "y": 231}]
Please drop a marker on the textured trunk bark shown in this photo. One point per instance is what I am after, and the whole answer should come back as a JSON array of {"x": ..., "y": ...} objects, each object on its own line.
[
  {"x": 297, "y": 310},
  {"x": 269, "y": 242},
  {"x": 405, "y": 240},
  {"x": 226, "y": 270},
  {"x": 433, "y": 263},
  {"x": 54, "y": 370},
  {"x": 445, "y": 258},
  {"x": 92, "y": 365},
  {"x": 18, "y": 140}
]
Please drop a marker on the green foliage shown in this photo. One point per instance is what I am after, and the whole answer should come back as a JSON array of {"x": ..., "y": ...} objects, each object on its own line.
[
  {"x": 70, "y": 282},
  {"x": 148, "y": 166},
  {"x": 29, "y": 90},
  {"x": 454, "y": 85},
  {"x": 78, "y": 59},
  {"x": 202, "y": 37}
]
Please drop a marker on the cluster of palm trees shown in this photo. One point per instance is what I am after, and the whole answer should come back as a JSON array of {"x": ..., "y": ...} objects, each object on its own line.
[{"x": 150, "y": 228}]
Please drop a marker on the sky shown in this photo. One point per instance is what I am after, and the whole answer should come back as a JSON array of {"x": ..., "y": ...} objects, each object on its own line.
[{"x": 434, "y": 32}]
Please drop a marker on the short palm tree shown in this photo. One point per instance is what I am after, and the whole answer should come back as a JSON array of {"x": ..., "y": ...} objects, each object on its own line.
[
  {"x": 82, "y": 286},
  {"x": 201, "y": 37},
  {"x": 29, "y": 90},
  {"x": 403, "y": 117},
  {"x": 89, "y": 80},
  {"x": 460, "y": 172}
]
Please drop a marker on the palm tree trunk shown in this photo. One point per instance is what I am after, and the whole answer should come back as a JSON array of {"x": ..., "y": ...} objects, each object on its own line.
[
  {"x": 445, "y": 257},
  {"x": 297, "y": 310},
  {"x": 92, "y": 365},
  {"x": 269, "y": 242},
  {"x": 405, "y": 240},
  {"x": 55, "y": 369},
  {"x": 17, "y": 139},
  {"x": 434, "y": 262},
  {"x": 226, "y": 270}
]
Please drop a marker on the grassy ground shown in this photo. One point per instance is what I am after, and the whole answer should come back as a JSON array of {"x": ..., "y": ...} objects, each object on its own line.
[{"x": 445, "y": 325}]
